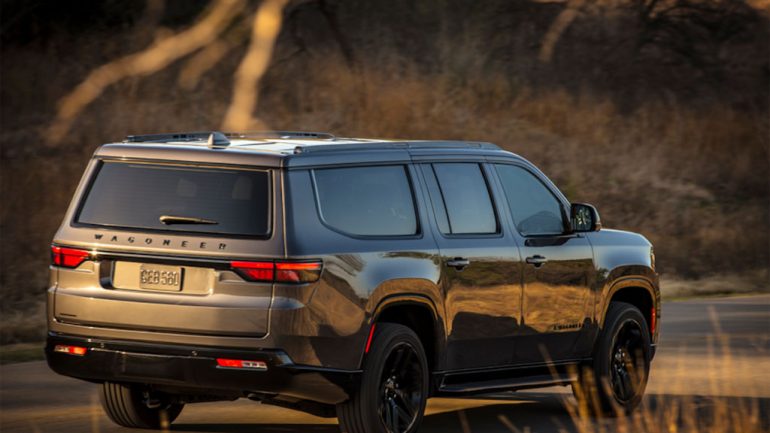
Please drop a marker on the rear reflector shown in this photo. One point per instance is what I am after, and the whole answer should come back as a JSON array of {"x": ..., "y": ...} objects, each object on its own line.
[
  {"x": 653, "y": 321},
  {"x": 281, "y": 272},
  {"x": 68, "y": 257},
  {"x": 241, "y": 363},
  {"x": 70, "y": 350},
  {"x": 369, "y": 340}
]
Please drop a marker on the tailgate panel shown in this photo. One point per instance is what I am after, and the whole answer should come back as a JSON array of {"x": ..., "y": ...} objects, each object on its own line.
[{"x": 212, "y": 302}]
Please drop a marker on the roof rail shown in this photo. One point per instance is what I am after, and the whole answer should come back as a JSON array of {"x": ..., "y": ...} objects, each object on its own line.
[
  {"x": 422, "y": 144},
  {"x": 213, "y": 138},
  {"x": 281, "y": 134}
]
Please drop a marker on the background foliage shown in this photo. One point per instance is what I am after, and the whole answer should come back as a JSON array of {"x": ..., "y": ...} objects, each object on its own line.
[{"x": 654, "y": 111}]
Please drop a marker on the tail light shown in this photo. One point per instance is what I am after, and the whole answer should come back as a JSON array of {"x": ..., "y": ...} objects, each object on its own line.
[
  {"x": 280, "y": 272},
  {"x": 70, "y": 350},
  {"x": 241, "y": 363},
  {"x": 306, "y": 272},
  {"x": 68, "y": 257},
  {"x": 255, "y": 271}
]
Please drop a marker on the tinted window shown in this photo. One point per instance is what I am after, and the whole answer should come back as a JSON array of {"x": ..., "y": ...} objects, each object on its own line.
[
  {"x": 466, "y": 198},
  {"x": 368, "y": 201},
  {"x": 534, "y": 208},
  {"x": 129, "y": 195}
]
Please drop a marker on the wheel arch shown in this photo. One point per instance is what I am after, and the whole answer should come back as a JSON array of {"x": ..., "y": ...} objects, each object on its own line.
[
  {"x": 639, "y": 292},
  {"x": 419, "y": 313}
]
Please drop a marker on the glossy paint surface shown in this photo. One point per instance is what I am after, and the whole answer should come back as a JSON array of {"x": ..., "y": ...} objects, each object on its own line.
[{"x": 498, "y": 311}]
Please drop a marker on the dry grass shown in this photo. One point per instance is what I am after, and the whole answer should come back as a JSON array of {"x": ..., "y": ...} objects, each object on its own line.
[{"x": 690, "y": 177}]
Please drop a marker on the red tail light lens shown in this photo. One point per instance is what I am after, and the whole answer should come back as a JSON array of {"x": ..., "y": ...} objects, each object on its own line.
[
  {"x": 70, "y": 350},
  {"x": 305, "y": 272},
  {"x": 241, "y": 363},
  {"x": 281, "y": 272},
  {"x": 68, "y": 257},
  {"x": 254, "y": 271}
]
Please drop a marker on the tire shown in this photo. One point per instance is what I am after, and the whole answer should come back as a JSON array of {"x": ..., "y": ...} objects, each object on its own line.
[
  {"x": 613, "y": 383},
  {"x": 126, "y": 406},
  {"x": 393, "y": 388}
]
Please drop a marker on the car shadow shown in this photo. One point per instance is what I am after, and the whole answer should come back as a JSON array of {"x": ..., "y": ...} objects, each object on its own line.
[{"x": 538, "y": 412}]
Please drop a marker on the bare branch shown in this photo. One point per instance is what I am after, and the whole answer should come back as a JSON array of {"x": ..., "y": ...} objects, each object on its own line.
[
  {"x": 267, "y": 24},
  {"x": 557, "y": 28},
  {"x": 159, "y": 55}
]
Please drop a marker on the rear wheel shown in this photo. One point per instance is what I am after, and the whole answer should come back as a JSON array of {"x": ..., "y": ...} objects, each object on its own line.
[
  {"x": 132, "y": 406},
  {"x": 394, "y": 386},
  {"x": 614, "y": 383}
]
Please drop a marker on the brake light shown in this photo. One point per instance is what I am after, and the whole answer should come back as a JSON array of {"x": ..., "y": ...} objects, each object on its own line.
[
  {"x": 70, "y": 350},
  {"x": 241, "y": 363},
  {"x": 306, "y": 272},
  {"x": 254, "y": 271},
  {"x": 281, "y": 272},
  {"x": 68, "y": 257}
]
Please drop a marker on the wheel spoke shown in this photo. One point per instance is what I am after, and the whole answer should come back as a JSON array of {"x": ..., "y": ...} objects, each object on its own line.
[
  {"x": 385, "y": 414},
  {"x": 394, "y": 360},
  {"x": 621, "y": 383},
  {"x": 406, "y": 405},
  {"x": 403, "y": 416},
  {"x": 394, "y": 417}
]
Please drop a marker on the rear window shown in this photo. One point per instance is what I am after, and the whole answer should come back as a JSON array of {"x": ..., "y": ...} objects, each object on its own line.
[
  {"x": 367, "y": 201},
  {"x": 186, "y": 199}
]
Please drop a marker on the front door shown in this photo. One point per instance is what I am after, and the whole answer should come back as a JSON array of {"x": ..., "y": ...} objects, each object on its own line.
[
  {"x": 557, "y": 305},
  {"x": 481, "y": 267}
]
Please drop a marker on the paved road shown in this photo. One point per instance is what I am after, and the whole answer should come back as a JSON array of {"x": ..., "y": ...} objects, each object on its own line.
[{"x": 714, "y": 354}]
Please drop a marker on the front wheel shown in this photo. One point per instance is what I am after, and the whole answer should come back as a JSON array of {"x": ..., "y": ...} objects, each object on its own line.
[
  {"x": 131, "y": 406},
  {"x": 614, "y": 383},
  {"x": 394, "y": 385}
]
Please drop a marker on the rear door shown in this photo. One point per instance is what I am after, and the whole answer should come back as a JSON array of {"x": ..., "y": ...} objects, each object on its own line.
[
  {"x": 558, "y": 271},
  {"x": 481, "y": 267},
  {"x": 164, "y": 242}
]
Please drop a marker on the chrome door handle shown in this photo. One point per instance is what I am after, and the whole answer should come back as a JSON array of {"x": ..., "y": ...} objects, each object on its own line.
[
  {"x": 458, "y": 263},
  {"x": 536, "y": 261}
]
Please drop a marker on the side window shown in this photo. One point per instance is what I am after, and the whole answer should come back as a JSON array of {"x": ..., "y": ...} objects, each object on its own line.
[
  {"x": 466, "y": 199},
  {"x": 367, "y": 201},
  {"x": 535, "y": 210}
]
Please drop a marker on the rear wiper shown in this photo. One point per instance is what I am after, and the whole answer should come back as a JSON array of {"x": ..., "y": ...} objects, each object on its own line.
[{"x": 173, "y": 219}]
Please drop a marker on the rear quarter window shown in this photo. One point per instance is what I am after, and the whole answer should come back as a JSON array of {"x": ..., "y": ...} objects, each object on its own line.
[
  {"x": 138, "y": 195},
  {"x": 366, "y": 201}
]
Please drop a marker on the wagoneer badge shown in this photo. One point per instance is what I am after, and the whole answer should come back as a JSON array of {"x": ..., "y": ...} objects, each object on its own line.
[{"x": 163, "y": 242}]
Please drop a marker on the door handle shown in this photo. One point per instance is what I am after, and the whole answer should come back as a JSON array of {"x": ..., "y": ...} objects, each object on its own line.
[
  {"x": 458, "y": 263},
  {"x": 536, "y": 261}
]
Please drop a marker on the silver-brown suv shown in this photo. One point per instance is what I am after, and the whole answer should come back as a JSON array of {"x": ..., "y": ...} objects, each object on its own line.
[{"x": 342, "y": 277}]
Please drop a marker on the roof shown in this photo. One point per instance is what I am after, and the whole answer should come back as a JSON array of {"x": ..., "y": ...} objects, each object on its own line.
[{"x": 267, "y": 148}]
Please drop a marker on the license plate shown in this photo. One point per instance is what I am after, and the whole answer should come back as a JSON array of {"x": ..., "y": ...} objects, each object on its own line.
[{"x": 159, "y": 277}]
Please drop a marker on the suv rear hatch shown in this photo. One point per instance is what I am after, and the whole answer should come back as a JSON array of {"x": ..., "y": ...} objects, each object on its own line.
[{"x": 172, "y": 247}]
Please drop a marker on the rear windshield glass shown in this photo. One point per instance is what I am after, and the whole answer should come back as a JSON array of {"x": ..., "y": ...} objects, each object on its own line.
[{"x": 178, "y": 198}]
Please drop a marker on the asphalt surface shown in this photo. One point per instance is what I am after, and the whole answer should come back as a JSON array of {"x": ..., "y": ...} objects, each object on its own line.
[{"x": 713, "y": 354}]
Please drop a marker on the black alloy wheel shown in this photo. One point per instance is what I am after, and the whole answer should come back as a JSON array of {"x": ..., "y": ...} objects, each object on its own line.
[
  {"x": 626, "y": 356},
  {"x": 400, "y": 389},
  {"x": 613, "y": 383},
  {"x": 394, "y": 385}
]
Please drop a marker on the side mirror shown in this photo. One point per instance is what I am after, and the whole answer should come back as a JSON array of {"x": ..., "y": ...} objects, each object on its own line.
[{"x": 585, "y": 218}]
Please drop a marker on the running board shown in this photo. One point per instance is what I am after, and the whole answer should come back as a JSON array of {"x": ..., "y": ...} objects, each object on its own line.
[{"x": 506, "y": 379}]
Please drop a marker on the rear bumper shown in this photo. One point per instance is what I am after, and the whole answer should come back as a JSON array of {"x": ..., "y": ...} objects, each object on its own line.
[{"x": 195, "y": 369}]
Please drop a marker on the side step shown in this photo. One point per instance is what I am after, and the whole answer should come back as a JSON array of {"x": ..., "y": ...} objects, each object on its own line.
[{"x": 507, "y": 379}]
